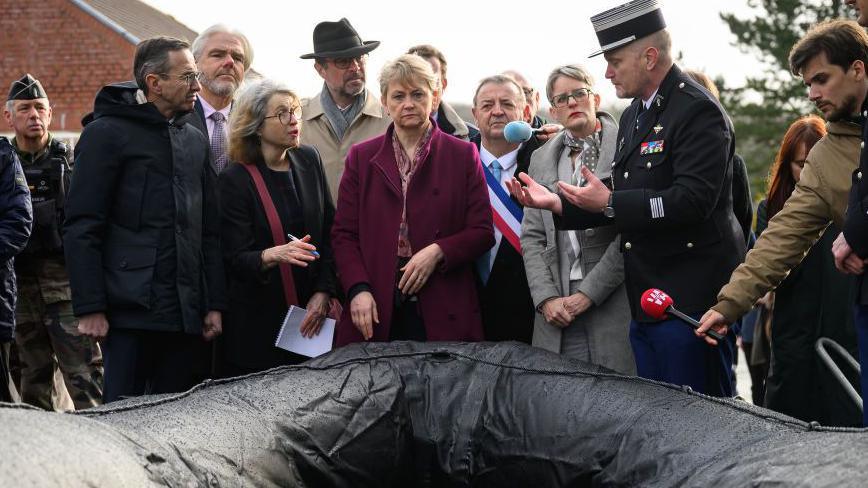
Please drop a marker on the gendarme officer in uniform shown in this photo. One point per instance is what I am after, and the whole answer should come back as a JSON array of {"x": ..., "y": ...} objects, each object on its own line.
[
  {"x": 47, "y": 335},
  {"x": 670, "y": 197}
]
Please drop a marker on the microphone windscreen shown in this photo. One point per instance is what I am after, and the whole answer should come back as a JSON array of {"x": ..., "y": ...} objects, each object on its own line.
[
  {"x": 517, "y": 131},
  {"x": 655, "y": 302}
]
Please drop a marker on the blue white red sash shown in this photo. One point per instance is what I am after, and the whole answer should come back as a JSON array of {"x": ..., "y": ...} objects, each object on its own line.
[{"x": 506, "y": 213}]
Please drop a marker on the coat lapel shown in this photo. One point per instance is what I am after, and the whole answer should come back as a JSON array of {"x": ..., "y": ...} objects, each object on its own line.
[
  {"x": 645, "y": 124},
  {"x": 658, "y": 105},
  {"x": 549, "y": 174},
  {"x": 309, "y": 192},
  {"x": 607, "y": 146},
  {"x": 386, "y": 164}
]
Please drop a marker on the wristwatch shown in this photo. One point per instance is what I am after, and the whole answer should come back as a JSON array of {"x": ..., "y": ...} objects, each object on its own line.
[{"x": 609, "y": 210}]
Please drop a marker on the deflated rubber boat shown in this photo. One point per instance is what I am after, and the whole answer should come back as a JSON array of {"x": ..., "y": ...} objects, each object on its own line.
[{"x": 408, "y": 414}]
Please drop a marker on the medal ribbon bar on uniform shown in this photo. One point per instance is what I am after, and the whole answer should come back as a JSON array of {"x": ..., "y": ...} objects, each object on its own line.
[{"x": 506, "y": 213}]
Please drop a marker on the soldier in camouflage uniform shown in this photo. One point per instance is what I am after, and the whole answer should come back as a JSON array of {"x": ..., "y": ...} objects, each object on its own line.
[{"x": 47, "y": 335}]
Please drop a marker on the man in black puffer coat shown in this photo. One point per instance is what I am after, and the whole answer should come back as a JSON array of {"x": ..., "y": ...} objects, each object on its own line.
[{"x": 141, "y": 237}]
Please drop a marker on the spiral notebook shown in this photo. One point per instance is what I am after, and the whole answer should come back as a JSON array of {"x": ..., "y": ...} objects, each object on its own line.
[{"x": 290, "y": 338}]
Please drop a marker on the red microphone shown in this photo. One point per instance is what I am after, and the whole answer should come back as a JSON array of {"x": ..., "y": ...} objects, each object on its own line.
[{"x": 656, "y": 303}]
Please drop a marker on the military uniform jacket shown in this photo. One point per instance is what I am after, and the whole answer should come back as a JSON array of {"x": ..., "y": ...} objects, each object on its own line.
[
  {"x": 48, "y": 176},
  {"x": 672, "y": 179},
  {"x": 41, "y": 264}
]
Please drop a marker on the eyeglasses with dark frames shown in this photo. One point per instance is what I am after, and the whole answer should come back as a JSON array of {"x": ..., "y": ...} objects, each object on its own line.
[
  {"x": 563, "y": 100},
  {"x": 285, "y": 116},
  {"x": 187, "y": 78},
  {"x": 344, "y": 63}
]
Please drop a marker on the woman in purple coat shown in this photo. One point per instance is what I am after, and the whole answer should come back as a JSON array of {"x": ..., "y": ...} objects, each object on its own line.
[{"x": 412, "y": 216}]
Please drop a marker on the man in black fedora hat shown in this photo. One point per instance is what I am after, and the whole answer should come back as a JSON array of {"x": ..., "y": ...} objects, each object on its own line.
[
  {"x": 669, "y": 197},
  {"x": 344, "y": 112}
]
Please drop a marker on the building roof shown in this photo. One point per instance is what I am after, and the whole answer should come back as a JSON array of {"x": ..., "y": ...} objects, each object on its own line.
[{"x": 139, "y": 20}]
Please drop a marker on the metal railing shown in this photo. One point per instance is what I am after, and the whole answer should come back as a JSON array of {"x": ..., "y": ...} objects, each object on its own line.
[{"x": 821, "y": 346}]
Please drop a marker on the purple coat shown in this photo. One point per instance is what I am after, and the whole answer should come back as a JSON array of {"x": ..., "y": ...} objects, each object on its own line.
[{"x": 447, "y": 203}]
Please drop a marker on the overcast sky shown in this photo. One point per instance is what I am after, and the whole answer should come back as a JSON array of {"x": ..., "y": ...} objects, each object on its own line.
[{"x": 478, "y": 38}]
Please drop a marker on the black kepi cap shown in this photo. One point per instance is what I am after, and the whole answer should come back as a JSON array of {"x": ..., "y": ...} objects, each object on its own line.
[
  {"x": 27, "y": 88},
  {"x": 626, "y": 23}
]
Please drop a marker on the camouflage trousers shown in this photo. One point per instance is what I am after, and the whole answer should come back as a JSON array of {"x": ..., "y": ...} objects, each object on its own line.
[{"x": 48, "y": 342}]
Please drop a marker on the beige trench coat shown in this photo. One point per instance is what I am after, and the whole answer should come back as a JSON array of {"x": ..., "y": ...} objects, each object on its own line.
[{"x": 316, "y": 131}]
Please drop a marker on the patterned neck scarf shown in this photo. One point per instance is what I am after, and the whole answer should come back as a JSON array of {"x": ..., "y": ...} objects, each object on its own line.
[
  {"x": 590, "y": 152},
  {"x": 406, "y": 169},
  {"x": 571, "y": 142}
]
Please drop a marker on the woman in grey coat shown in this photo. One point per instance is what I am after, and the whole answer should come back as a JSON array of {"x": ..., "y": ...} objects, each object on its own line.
[{"x": 576, "y": 278}]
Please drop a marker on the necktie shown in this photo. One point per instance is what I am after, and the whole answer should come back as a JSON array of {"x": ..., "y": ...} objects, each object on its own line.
[
  {"x": 483, "y": 264},
  {"x": 496, "y": 169},
  {"x": 641, "y": 116},
  {"x": 218, "y": 141}
]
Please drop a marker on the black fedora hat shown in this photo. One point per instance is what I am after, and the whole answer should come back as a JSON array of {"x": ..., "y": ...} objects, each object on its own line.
[{"x": 338, "y": 40}]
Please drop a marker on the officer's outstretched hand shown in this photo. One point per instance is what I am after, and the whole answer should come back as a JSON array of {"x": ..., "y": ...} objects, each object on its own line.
[
  {"x": 712, "y": 320},
  {"x": 591, "y": 197},
  {"x": 93, "y": 325},
  {"x": 534, "y": 195}
]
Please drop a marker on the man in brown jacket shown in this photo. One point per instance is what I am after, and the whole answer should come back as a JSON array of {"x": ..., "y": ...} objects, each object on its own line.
[
  {"x": 344, "y": 112},
  {"x": 832, "y": 59}
]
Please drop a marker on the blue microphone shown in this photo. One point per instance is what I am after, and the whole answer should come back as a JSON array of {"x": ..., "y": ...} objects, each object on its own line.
[{"x": 518, "y": 131}]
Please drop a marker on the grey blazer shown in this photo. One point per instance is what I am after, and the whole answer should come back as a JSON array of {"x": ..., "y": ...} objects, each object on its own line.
[{"x": 548, "y": 266}]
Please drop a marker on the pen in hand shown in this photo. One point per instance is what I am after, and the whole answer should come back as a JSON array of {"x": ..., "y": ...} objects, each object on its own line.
[{"x": 293, "y": 238}]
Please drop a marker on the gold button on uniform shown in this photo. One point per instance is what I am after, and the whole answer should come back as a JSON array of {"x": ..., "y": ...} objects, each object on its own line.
[
  {"x": 626, "y": 174},
  {"x": 858, "y": 175},
  {"x": 648, "y": 165},
  {"x": 689, "y": 245},
  {"x": 862, "y": 144},
  {"x": 628, "y": 246},
  {"x": 681, "y": 85}
]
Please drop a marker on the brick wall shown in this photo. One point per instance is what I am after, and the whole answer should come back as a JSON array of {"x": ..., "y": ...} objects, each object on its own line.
[{"x": 71, "y": 53}]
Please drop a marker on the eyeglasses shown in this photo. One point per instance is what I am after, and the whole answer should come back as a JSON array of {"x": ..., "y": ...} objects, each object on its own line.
[
  {"x": 562, "y": 100},
  {"x": 344, "y": 63},
  {"x": 285, "y": 116},
  {"x": 187, "y": 78}
]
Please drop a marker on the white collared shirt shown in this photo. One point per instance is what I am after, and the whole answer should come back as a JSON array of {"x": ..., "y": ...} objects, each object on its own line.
[
  {"x": 647, "y": 103},
  {"x": 209, "y": 123},
  {"x": 508, "y": 162}
]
